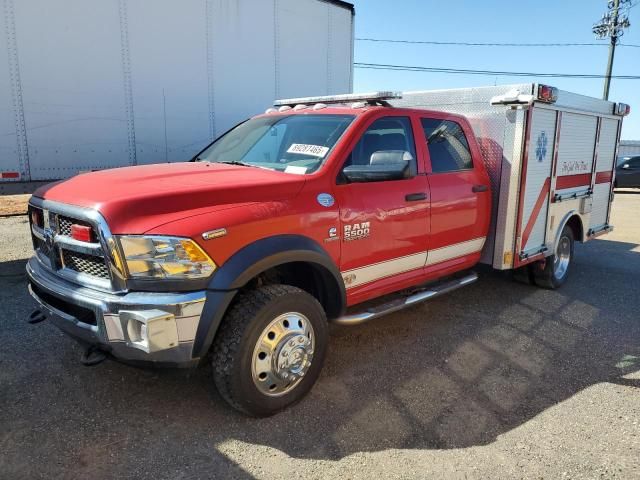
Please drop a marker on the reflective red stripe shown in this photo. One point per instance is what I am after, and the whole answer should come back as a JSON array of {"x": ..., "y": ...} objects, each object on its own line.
[
  {"x": 572, "y": 181},
  {"x": 9, "y": 174},
  {"x": 604, "y": 177},
  {"x": 535, "y": 212}
]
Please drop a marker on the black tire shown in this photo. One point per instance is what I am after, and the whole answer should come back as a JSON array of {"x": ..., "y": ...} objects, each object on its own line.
[
  {"x": 524, "y": 275},
  {"x": 546, "y": 273},
  {"x": 239, "y": 333}
]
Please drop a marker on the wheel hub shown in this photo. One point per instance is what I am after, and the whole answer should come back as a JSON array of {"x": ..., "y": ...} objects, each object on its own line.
[
  {"x": 283, "y": 354},
  {"x": 294, "y": 357},
  {"x": 562, "y": 257}
]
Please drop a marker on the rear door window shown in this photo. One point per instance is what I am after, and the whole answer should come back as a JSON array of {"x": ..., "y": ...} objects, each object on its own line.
[{"x": 448, "y": 147}]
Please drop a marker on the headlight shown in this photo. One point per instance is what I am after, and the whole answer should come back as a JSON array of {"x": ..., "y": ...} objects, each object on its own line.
[{"x": 164, "y": 257}]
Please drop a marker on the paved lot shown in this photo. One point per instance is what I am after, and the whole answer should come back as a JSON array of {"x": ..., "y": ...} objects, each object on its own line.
[{"x": 498, "y": 380}]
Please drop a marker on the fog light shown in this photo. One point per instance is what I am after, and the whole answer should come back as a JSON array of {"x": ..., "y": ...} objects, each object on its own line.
[{"x": 149, "y": 330}]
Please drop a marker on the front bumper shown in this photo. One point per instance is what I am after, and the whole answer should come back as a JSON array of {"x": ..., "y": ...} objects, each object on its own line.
[{"x": 139, "y": 327}]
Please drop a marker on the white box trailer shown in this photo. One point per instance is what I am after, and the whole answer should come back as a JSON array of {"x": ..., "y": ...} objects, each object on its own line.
[
  {"x": 93, "y": 84},
  {"x": 550, "y": 157},
  {"x": 628, "y": 148}
]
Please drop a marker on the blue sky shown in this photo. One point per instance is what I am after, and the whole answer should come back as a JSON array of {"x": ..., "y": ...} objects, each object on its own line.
[{"x": 495, "y": 21}]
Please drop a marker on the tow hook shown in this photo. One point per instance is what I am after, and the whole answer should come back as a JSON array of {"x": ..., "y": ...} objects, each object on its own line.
[
  {"x": 93, "y": 356},
  {"x": 36, "y": 317}
]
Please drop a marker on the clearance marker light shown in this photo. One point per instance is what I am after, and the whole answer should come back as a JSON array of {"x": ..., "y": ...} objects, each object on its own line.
[
  {"x": 82, "y": 233},
  {"x": 622, "y": 109}
]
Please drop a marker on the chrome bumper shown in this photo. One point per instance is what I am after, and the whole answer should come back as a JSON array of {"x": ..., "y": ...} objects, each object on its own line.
[{"x": 159, "y": 328}]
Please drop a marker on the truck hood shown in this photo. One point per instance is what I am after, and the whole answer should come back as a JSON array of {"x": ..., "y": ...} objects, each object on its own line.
[{"x": 134, "y": 200}]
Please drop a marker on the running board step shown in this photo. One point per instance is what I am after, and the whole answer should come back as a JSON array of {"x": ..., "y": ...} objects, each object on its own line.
[{"x": 401, "y": 303}]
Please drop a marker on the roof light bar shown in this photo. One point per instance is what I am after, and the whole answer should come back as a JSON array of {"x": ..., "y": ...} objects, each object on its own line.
[{"x": 372, "y": 97}]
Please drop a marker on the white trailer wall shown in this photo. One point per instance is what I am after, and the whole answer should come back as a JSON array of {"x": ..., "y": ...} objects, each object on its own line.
[
  {"x": 628, "y": 148},
  {"x": 106, "y": 83}
]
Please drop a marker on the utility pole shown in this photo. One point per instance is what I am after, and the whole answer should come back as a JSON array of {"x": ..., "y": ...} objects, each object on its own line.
[{"x": 612, "y": 25}]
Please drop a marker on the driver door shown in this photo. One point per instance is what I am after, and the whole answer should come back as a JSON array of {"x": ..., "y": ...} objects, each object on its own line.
[{"x": 384, "y": 224}]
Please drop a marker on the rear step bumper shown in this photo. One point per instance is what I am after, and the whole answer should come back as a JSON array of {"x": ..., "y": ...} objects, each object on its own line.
[{"x": 425, "y": 294}]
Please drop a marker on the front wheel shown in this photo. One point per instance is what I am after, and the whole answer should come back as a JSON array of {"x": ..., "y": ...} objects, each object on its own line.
[
  {"x": 554, "y": 270},
  {"x": 270, "y": 349}
]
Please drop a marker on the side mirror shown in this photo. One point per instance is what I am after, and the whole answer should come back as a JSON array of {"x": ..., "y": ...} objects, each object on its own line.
[
  {"x": 384, "y": 165},
  {"x": 625, "y": 166}
]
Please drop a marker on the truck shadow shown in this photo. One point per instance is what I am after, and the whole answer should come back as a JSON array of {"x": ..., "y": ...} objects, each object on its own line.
[
  {"x": 13, "y": 272},
  {"x": 453, "y": 373}
]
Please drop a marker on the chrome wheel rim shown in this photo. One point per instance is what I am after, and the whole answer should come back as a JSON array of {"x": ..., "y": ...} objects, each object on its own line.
[
  {"x": 283, "y": 354},
  {"x": 562, "y": 257}
]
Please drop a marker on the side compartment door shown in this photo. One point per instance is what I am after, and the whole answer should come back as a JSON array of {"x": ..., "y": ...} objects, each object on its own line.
[
  {"x": 605, "y": 165},
  {"x": 535, "y": 183},
  {"x": 384, "y": 224}
]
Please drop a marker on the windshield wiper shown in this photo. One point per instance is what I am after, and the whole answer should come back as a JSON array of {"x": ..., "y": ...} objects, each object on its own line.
[{"x": 236, "y": 162}]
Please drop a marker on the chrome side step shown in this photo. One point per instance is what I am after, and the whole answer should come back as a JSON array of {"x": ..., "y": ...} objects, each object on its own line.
[{"x": 401, "y": 303}]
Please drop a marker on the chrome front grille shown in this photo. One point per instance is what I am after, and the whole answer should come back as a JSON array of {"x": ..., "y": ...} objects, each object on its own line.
[
  {"x": 56, "y": 248},
  {"x": 83, "y": 263},
  {"x": 42, "y": 247},
  {"x": 64, "y": 225}
]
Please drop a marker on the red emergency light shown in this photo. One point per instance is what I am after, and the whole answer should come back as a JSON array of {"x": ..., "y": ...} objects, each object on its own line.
[
  {"x": 547, "y": 93},
  {"x": 82, "y": 233}
]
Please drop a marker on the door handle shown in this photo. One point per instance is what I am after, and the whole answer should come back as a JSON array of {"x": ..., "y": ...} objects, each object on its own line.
[
  {"x": 479, "y": 188},
  {"x": 414, "y": 197}
]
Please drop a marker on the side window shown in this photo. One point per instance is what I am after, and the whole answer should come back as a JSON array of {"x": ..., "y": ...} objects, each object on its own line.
[
  {"x": 387, "y": 134},
  {"x": 448, "y": 147}
]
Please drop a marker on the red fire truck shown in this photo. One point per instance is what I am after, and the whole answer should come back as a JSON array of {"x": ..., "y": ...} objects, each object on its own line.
[{"x": 298, "y": 216}]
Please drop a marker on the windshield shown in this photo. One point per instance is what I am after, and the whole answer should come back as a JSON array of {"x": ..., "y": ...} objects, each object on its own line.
[{"x": 293, "y": 144}]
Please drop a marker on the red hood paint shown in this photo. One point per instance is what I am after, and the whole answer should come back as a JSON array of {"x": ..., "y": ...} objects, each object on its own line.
[{"x": 136, "y": 199}]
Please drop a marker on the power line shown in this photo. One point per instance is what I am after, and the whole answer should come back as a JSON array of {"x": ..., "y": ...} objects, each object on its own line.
[
  {"x": 486, "y": 44},
  {"x": 414, "y": 68}
]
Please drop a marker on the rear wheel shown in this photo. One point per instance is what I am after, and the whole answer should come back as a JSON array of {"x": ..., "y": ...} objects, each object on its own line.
[
  {"x": 524, "y": 275},
  {"x": 554, "y": 270},
  {"x": 270, "y": 349}
]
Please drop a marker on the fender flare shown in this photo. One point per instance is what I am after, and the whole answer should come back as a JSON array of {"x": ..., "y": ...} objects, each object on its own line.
[
  {"x": 563, "y": 223},
  {"x": 246, "y": 264}
]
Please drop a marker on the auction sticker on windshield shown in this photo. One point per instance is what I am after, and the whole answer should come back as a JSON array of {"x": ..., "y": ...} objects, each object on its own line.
[{"x": 313, "y": 150}]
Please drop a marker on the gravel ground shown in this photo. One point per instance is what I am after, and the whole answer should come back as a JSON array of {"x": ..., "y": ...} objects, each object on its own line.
[
  {"x": 497, "y": 380},
  {"x": 13, "y": 204}
]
